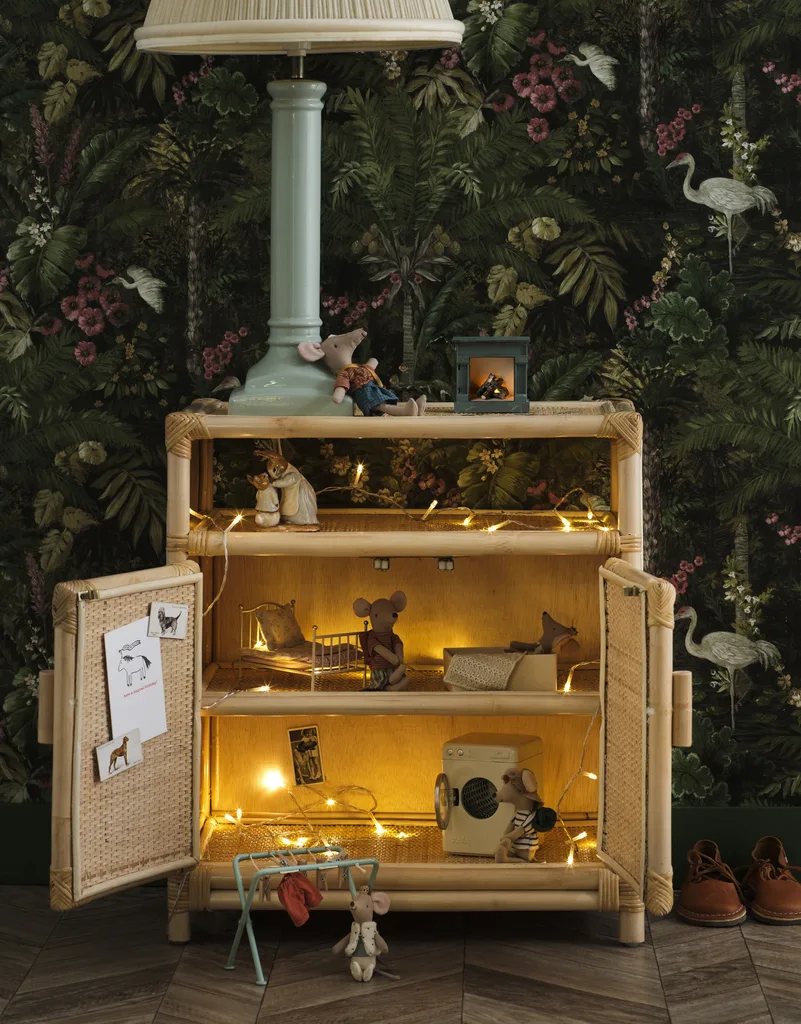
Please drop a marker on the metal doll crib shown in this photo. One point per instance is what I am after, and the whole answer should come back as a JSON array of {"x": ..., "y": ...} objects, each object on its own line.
[{"x": 324, "y": 654}]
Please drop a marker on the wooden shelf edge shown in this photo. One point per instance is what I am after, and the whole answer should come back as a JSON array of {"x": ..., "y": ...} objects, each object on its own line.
[{"x": 246, "y": 702}]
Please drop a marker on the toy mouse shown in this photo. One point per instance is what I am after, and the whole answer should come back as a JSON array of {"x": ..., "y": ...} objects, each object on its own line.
[
  {"x": 298, "y": 502},
  {"x": 383, "y": 650},
  {"x": 554, "y": 635},
  {"x": 363, "y": 943},
  {"x": 359, "y": 380},
  {"x": 521, "y": 838}
]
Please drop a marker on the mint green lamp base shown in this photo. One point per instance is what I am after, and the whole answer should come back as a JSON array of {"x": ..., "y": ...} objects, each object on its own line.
[{"x": 283, "y": 384}]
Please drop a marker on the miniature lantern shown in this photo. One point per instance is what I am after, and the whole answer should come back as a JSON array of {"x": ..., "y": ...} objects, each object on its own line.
[{"x": 491, "y": 375}]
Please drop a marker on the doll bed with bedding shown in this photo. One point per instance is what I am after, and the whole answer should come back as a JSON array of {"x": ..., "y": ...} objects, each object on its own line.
[{"x": 270, "y": 638}]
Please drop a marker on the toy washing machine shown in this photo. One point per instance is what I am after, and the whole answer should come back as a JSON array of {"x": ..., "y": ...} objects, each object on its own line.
[{"x": 469, "y": 815}]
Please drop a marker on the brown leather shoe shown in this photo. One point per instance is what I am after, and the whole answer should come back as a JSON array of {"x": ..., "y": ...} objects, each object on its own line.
[
  {"x": 711, "y": 895},
  {"x": 773, "y": 892}
]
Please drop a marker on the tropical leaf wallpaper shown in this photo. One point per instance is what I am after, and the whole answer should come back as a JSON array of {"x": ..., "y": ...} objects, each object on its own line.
[{"x": 525, "y": 184}]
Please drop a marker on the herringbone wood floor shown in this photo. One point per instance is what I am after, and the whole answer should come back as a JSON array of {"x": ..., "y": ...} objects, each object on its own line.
[{"x": 109, "y": 963}]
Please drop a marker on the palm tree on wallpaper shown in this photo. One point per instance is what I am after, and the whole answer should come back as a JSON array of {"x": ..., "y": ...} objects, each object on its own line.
[{"x": 405, "y": 186}]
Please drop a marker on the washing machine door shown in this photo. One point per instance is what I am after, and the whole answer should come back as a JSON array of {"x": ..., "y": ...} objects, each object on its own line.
[
  {"x": 443, "y": 801},
  {"x": 478, "y": 797}
]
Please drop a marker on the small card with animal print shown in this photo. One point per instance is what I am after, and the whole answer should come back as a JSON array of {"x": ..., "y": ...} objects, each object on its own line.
[
  {"x": 119, "y": 755},
  {"x": 135, "y": 681},
  {"x": 168, "y": 621}
]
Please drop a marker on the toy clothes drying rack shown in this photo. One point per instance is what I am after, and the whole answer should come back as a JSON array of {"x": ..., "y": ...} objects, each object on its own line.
[{"x": 285, "y": 868}]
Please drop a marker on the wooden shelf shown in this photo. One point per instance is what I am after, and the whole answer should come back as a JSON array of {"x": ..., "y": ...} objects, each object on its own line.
[
  {"x": 347, "y": 533},
  {"x": 254, "y": 702}
]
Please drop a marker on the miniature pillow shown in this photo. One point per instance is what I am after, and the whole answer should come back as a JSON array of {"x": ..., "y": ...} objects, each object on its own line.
[{"x": 280, "y": 627}]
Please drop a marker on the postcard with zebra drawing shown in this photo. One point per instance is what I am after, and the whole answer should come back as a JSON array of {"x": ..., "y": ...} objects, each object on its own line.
[
  {"x": 135, "y": 681},
  {"x": 118, "y": 755},
  {"x": 168, "y": 621}
]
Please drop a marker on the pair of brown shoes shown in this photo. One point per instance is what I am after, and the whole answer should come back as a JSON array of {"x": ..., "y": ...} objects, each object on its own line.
[{"x": 713, "y": 896}]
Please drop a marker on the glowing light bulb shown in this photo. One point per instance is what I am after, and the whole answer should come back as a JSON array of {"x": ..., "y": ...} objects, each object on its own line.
[
  {"x": 606, "y": 529},
  {"x": 567, "y": 686},
  {"x": 379, "y": 829},
  {"x": 273, "y": 780},
  {"x": 237, "y": 519},
  {"x": 565, "y": 522},
  {"x": 263, "y": 689},
  {"x": 468, "y": 519},
  {"x": 231, "y": 818},
  {"x": 330, "y": 802},
  {"x": 581, "y": 835},
  {"x": 430, "y": 509},
  {"x": 498, "y": 526},
  {"x": 239, "y": 814},
  {"x": 301, "y": 840},
  {"x": 359, "y": 471},
  {"x": 589, "y": 514},
  {"x": 330, "y": 853},
  {"x": 403, "y": 835},
  {"x": 590, "y": 775},
  {"x": 285, "y": 841},
  {"x": 570, "y": 857}
]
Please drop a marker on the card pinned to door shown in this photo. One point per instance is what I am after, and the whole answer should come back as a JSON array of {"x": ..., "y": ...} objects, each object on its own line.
[
  {"x": 168, "y": 621},
  {"x": 118, "y": 755},
  {"x": 135, "y": 681}
]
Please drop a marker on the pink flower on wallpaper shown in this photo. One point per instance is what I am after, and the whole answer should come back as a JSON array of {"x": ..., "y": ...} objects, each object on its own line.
[
  {"x": 51, "y": 326},
  {"x": 538, "y": 129},
  {"x": 696, "y": 108},
  {"x": 543, "y": 98},
  {"x": 556, "y": 51},
  {"x": 91, "y": 321},
  {"x": 109, "y": 297},
  {"x": 72, "y": 305},
  {"x": 538, "y": 38},
  {"x": 542, "y": 64},
  {"x": 570, "y": 91},
  {"x": 499, "y": 106},
  {"x": 102, "y": 272},
  {"x": 395, "y": 278},
  {"x": 91, "y": 294},
  {"x": 243, "y": 332},
  {"x": 85, "y": 352},
  {"x": 560, "y": 75},
  {"x": 85, "y": 261},
  {"x": 118, "y": 313},
  {"x": 361, "y": 306},
  {"x": 524, "y": 83},
  {"x": 89, "y": 281}
]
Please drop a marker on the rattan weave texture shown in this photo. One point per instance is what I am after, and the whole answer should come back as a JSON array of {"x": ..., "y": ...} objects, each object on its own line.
[
  {"x": 143, "y": 817},
  {"x": 624, "y": 714}
]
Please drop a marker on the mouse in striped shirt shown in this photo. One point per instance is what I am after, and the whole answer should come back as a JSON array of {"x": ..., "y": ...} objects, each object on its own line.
[{"x": 521, "y": 839}]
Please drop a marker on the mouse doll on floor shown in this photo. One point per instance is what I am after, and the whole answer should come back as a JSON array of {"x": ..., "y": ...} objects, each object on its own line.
[{"x": 359, "y": 380}]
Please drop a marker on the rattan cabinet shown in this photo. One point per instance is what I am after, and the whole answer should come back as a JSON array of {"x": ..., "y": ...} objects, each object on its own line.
[{"x": 196, "y": 800}]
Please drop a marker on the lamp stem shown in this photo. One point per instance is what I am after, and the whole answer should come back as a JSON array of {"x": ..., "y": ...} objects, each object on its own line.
[{"x": 282, "y": 383}]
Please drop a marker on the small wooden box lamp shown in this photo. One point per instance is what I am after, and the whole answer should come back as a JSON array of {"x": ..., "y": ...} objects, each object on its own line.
[{"x": 491, "y": 375}]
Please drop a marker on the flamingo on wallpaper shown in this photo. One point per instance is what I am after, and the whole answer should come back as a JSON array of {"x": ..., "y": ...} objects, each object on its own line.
[
  {"x": 724, "y": 195},
  {"x": 729, "y": 651}
]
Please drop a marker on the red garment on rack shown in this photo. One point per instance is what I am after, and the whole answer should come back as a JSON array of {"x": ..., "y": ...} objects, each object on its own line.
[{"x": 297, "y": 893}]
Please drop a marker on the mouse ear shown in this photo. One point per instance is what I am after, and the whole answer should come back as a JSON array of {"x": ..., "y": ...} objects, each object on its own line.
[
  {"x": 311, "y": 351},
  {"x": 529, "y": 780},
  {"x": 361, "y": 607},
  {"x": 398, "y": 600},
  {"x": 380, "y": 903}
]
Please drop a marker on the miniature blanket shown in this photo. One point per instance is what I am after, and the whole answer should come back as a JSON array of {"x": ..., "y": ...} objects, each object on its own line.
[{"x": 482, "y": 671}]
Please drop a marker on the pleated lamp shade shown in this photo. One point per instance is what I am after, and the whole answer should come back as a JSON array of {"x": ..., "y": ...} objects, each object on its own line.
[{"x": 297, "y": 26}]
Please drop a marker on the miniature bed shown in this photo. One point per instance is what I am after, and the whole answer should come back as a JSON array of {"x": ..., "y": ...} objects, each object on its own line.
[
  {"x": 270, "y": 639},
  {"x": 230, "y": 729}
]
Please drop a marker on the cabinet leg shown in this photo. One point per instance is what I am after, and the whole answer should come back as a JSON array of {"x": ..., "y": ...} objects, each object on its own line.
[
  {"x": 179, "y": 929},
  {"x": 631, "y": 919}
]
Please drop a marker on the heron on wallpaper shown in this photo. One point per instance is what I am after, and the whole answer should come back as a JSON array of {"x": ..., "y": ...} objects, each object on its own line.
[
  {"x": 732, "y": 652},
  {"x": 724, "y": 195}
]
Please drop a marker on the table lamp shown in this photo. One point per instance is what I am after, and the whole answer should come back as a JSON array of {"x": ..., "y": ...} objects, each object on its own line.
[{"x": 282, "y": 383}]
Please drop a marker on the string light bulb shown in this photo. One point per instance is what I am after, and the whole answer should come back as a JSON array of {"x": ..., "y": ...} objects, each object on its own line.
[
  {"x": 430, "y": 509},
  {"x": 273, "y": 780},
  {"x": 285, "y": 841},
  {"x": 570, "y": 856},
  {"x": 403, "y": 835},
  {"x": 590, "y": 775},
  {"x": 590, "y": 515},
  {"x": 239, "y": 815},
  {"x": 580, "y": 836},
  {"x": 330, "y": 802},
  {"x": 565, "y": 523},
  {"x": 230, "y": 817},
  {"x": 301, "y": 840},
  {"x": 359, "y": 471},
  {"x": 468, "y": 519},
  {"x": 234, "y": 522},
  {"x": 498, "y": 526}
]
